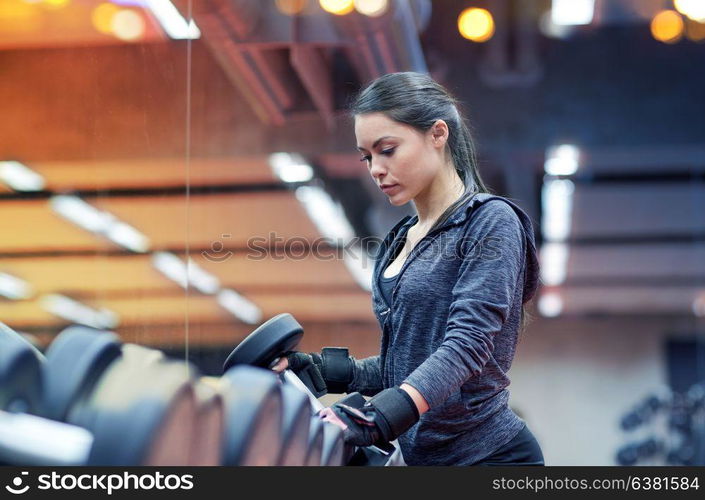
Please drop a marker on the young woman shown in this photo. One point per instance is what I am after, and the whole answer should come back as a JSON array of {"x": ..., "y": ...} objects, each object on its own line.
[{"x": 448, "y": 290}]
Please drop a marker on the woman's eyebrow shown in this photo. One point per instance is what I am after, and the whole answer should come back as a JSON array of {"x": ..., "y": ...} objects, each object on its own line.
[{"x": 374, "y": 145}]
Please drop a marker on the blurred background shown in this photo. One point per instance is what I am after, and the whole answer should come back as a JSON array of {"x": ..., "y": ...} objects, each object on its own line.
[{"x": 180, "y": 171}]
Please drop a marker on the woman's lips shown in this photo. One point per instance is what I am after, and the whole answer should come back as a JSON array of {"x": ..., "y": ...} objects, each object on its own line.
[{"x": 389, "y": 189}]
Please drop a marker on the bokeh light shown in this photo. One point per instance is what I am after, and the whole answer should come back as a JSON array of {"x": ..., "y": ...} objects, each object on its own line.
[
  {"x": 550, "y": 304},
  {"x": 371, "y": 8},
  {"x": 102, "y": 17},
  {"x": 291, "y": 7},
  {"x": 667, "y": 26},
  {"x": 476, "y": 24},
  {"x": 692, "y": 9},
  {"x": 56, "y": 4},
  {"x": 128, "y": 25},
  {"x": 337, "y": 7},
  {"x": 10, "y": 10},
  {"x": 695, "y": 31}
]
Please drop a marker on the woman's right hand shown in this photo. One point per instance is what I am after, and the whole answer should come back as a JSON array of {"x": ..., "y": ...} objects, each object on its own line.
[
  {"x": 281, "y": 365},
  {"x": 307, "y": 367},
  {"x": 331, "y": 369}
]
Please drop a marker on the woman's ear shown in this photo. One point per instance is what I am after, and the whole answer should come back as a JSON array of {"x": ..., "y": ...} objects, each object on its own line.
[{"x": 439, "y": 133}]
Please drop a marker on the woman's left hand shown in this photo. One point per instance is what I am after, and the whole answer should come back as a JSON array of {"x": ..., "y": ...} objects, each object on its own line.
[
  {"x": 382, "y": 419},
  {"x": 328, "y": 415}
]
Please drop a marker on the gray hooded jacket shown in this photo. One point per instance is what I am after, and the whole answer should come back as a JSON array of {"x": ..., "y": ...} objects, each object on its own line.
[{"x": 452, "y": 328}]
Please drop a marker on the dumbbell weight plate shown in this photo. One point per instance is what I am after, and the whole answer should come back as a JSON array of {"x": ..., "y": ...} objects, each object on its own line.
[
  {"x": 333, "y": 445},
  {"x": 315, "y": 442},
  {"x": 295, "y": 429},
  {"x": 75, "y": 360},
  {"x": 272, "y": 339},
  {"x": 173, "y": 385},
  {"x": 253, "y": 417},
  {"x": 20, "y": 377},
  {"x": 31, "y": 440},
  {"x": 206, "y": 446},
  {"x": 148, "y": 412},
  {"x": 141, "y": 355},
  {"x": 160, "y": 392},
  {"x": 10, "y": 334},
  {"x": 125, "y": 378}
]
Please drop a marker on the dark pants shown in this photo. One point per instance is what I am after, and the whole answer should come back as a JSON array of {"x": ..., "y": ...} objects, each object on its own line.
[{"x": 523, "y": 449}]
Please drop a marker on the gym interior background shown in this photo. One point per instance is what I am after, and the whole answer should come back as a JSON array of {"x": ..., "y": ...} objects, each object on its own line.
[{"x": 181, "y": 182}]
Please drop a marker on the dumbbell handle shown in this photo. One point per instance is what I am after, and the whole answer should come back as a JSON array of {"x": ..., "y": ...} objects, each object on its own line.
[
  {"x": 29, "y": 440},
  {"x": 294, "y": 380}
]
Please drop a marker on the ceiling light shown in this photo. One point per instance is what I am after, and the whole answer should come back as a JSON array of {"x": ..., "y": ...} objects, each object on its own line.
[
  {"x": 337, "y": 7},
  {"x": 290, "y": 167},
  {"x": 127, "y": 237},
  {"x": 667, "y": 26},
  {"x": 572, "y": 12},
  {"x": 562, "y": 160},
  {"x": 327, "y": 215},
  {"x": 172, "y": 22},
  {"x": 239, "y": 306},
  {"x": 476, "y": 24},
  {"x": 81, "y": 213},
  {"x": 201, "y": 279},
  {"x": 557, "y": 206},
  {"x": 550, "y": 304},
  {"x": 76, "y": 312},
  {"x": 171, "y": 266},
  {"x": 693, "y": 9},
  {"x": 19, "y": 177},
  {"x": 14, "y": 288},
  {"x": 128, "y": 25},
  {"x": 371, "y": 8},
  {"x": 554, "y": 263}
]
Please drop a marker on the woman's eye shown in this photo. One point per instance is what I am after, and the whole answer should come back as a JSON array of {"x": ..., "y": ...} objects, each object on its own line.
[
  {"x": 366, "y": 158},
  {"x": 387, "y": 152}
]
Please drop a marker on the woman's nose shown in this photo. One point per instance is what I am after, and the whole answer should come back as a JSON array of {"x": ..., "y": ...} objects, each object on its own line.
[{"x": 377, "y": 169}]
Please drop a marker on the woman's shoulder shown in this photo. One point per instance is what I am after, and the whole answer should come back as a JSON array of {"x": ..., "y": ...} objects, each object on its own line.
[{"x": 492, "y": 207}]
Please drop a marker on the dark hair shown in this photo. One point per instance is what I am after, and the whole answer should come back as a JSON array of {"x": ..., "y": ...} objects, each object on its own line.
[{"x": 417, "y": 100}]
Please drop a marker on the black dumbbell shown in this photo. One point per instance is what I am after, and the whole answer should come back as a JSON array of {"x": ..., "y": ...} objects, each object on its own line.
[
  {"x": 67, "y": 379},
  {"x": 253, "y": 416},
  {"x": 263, "y": 348},
  {"x": 206, "y": 447},
  {"x": 20, "y": 375},
  {"x": 246, "y": 410},
  {"x": 75, "y": 362},
  {"x": 147, "y": 420},
  {"x": 295, "y": 426}
]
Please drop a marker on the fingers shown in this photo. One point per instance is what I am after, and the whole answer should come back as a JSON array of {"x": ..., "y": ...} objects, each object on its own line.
[
  {"x": 328, "y": 415},
  {"x": 281, "y": 365}
]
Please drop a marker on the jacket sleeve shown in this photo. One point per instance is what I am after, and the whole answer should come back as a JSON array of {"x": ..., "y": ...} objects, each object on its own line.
[
  {"x": 492, "y": 250},
  {"x": 367, "y": 376}
]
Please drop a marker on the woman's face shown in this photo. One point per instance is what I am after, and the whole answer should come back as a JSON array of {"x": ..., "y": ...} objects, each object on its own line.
[{"x": 401, "y": 160}]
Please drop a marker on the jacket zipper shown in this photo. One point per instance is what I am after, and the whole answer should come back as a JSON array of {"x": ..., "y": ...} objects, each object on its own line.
[
  {"x": 389, "y": 360},
  {"x": 388, "y": 313}
]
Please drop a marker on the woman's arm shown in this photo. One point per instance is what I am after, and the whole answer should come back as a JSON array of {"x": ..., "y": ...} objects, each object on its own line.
[
  {"x": 367, "y": 376},
  {"x": 483, "y": 296},
  {"x": 417, "y": 397}
]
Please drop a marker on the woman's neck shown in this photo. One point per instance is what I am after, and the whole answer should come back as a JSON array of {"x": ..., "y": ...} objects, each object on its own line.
[{"x": 440, "y": 194}]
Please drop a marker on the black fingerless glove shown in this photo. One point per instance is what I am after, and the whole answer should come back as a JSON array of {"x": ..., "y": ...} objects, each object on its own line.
[
  {"x": 329, "y": 371},
  {"x": 382, "y": 419}
]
